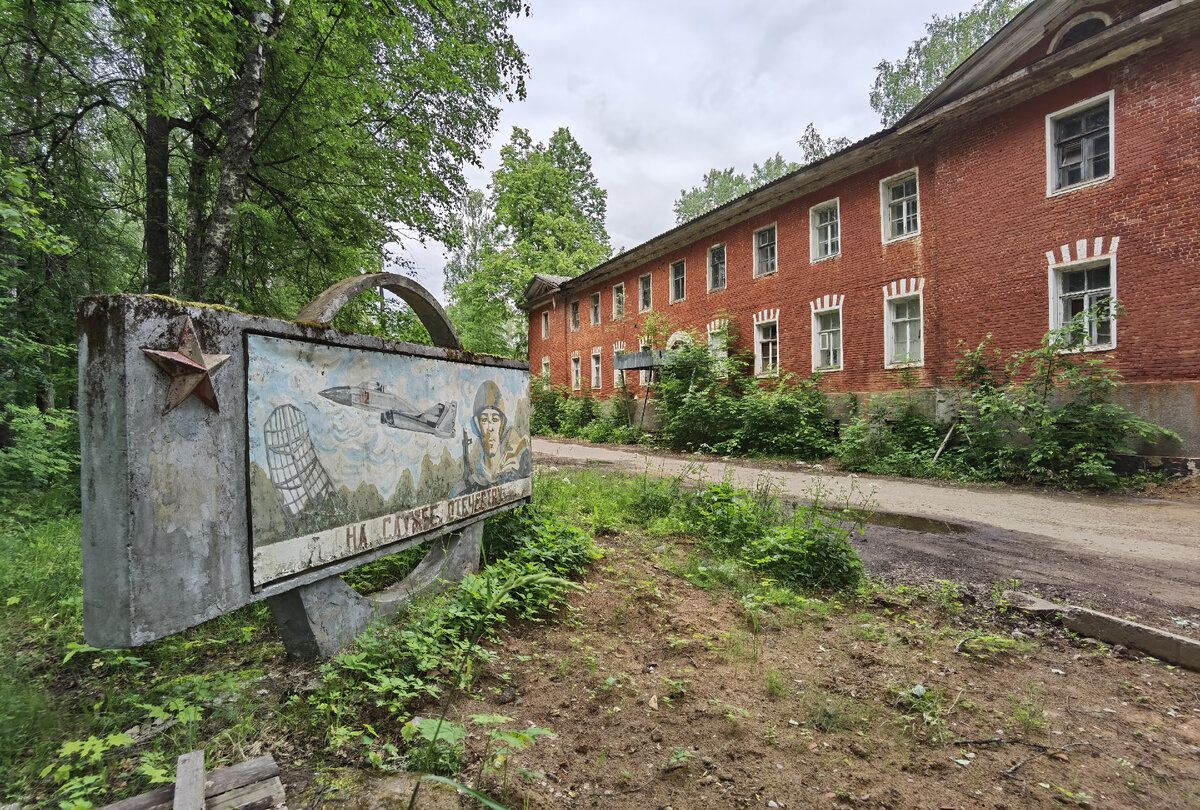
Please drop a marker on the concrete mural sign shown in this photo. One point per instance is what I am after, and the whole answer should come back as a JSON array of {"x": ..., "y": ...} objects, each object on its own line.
[
  {"x": 229, "y": 458},
  {"x": 349, "y": 452}
]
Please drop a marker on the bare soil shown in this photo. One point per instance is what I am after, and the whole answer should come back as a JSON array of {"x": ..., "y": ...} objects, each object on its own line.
[
  {"x": 662, "y": 695},
  {"x": 1133, "y": 556}
]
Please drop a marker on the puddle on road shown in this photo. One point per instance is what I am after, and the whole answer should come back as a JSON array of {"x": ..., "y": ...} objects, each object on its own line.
[{"x": 914, "y": 523}]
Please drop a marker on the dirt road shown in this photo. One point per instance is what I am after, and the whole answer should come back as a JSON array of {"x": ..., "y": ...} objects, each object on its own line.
[{"x": 1131, "y": 556}]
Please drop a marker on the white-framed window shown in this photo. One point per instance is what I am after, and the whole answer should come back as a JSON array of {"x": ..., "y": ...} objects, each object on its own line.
[
  {"x": 596, "y": 381},
  {"x": 904, "y": 331},
  {"x": 900, "y": 205},
  {"x": 766, "y": 348},
  {"x": 827, "y": 333},
  {"x": 765, "y": 251},
  {"x": 645, "y": 297},
  {"x": 718, "y": 345},
  {"x": 595, "y": 309},
  {"x": 825, "y": 231},
  {"x": 716, "y": 268},
  {"x": 644, "y": 374},
  {"x": 574, "y": 316},
  {"x": 678, "y": 280},
  {"x": 546, "y": 369},
  {"x": 576, "y": 373},
  {"x": 1087, "y": 289},
  {"x": 618, "y": 374},
  {"x": 619, "y": 301},
  {"x": 1079, "y": 145},
  {"x": 545, "y": 325},
  {"x": 903, "y": 339}
]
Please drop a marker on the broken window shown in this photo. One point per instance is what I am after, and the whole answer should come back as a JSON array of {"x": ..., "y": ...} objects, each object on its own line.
[{"x": 1082, "y": 146}]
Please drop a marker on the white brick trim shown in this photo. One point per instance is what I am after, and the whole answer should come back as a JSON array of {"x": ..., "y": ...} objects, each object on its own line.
[
  {"x": 766, "y": 316},
  {"x": 903, "y": 288},
  {"x": 717, "y": 325},
  {"x": 1081, "y": 258},
  {"x": 827, "y": 302},
  {"x": 1081, "y": 251}
]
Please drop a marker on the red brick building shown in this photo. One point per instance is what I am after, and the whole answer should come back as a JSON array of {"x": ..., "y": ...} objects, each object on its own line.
[{"x": 1056, "y": 167}]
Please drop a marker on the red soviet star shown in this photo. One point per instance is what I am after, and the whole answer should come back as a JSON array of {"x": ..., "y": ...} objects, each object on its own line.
[{"x": 190, "y": 368}]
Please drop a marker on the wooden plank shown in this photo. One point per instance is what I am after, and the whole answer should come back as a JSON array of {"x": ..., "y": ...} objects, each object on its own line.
[
  {"x": 189, "y": 782},
  {"x": 258, "y": 796},
  {"x": 219, "y": 781}
]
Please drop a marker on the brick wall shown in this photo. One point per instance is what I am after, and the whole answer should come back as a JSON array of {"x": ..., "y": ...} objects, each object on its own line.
[{"x": 986, "y": 228}]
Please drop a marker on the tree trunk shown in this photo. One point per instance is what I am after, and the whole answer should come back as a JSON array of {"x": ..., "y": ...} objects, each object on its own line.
[
  {"x": 239, "y": 142},
  {"x": 157, "y": 146},
  {"x": 197, "y": 200}
]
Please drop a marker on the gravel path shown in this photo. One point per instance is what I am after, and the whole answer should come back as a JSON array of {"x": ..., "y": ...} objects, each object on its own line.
[{"x": 1130, "y": 555}]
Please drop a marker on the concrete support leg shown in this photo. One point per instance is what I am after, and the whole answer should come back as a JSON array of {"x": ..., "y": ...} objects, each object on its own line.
[{"x": 318, "y": 619}]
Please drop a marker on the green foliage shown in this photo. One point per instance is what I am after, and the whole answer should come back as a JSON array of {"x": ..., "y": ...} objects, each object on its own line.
[
  {"x": 43, "y": 458},
  {"x": 815, "y": 147},
  {"x": 893, "y": 437},
  {"x": 545, "y": 215},
  {"x": 814, "y": 554},
  {"x": 729, "y": 519},
  {"x": 705, "y": 402},
  {"x": 808, "y": 549},
  {"x": 1043, "y": 416},
  {"x": 947, "y": 42},
  {"x": 557, "y": 413},
  {"x": 93, "y": 94},
  {"x": 720, "y": 186}
]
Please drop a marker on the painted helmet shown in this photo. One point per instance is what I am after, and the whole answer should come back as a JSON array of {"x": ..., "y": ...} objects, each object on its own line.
[{"x": 488, "y": 396}]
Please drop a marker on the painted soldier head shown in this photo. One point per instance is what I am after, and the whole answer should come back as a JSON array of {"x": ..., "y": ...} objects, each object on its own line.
[{"x": 489, "y": 418}]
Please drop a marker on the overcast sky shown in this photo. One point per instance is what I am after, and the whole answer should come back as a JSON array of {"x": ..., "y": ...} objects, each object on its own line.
[{"x": 660, "y": 91}]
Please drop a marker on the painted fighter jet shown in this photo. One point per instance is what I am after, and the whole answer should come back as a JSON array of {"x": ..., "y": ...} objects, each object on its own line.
[{"x": 396, "y": 411}]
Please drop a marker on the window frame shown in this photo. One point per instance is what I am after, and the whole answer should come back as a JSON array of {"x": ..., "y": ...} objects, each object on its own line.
[
  {"x": 724, "y": 267},
  {"x": 595, "y": 309},
  {"x": 618, "y": 295},
  {"x": 644, "y": 378},
  {"x": 1057, "y": 322},
  {"x": 814, "y": 230},
  {"x": 885, "y": 204},
  {"x": 682, "y": 265},
  {"x": 758, "y": 271},
  {"x": 573, "y": 316},
  {"x": 545, "y": 324},
  {"x": 645, "y": 293},
  {"x": 546, "y": 369},
  {"x": 889, "y": 319},
  {"x": 816, "y": 339},
  {"x": 1052, "y": 190},
  {"x": 618, "y": 374},
  {"x": 597, "y": 371},
  {"x": 576, "y": 372},
  {"x": 759, "y": 370}
]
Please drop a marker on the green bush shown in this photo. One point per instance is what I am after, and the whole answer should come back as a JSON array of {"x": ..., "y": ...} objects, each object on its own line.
[
  {"x": 44, "y": 456},
  {"x": 708, "y": 403},
  {"x": 892, "y": 438},
  {"x": 727, "y": 518},
  {"x": 815, "y": 553},
  {"x": 533, "y": 535},
  {"x": 1046, "y": 416}
]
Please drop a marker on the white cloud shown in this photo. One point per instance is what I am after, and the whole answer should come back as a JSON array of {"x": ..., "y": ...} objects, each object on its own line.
[{"x": 658, "y": 93}]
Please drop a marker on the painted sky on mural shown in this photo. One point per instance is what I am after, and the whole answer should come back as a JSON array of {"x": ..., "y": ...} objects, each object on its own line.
[
  {"x": 660, "y": 91},
  {"x": 352, "y": 444}
]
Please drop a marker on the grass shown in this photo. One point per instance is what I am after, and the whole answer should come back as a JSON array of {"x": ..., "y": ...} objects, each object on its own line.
[{"x": 80, "y": 726}]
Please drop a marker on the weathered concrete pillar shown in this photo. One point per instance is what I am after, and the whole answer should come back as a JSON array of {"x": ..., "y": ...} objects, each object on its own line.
[{"x": 318, "y": 619}]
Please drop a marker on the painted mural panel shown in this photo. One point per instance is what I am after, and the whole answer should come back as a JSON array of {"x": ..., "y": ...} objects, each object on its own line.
[{"x": 350, "y": 450}]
